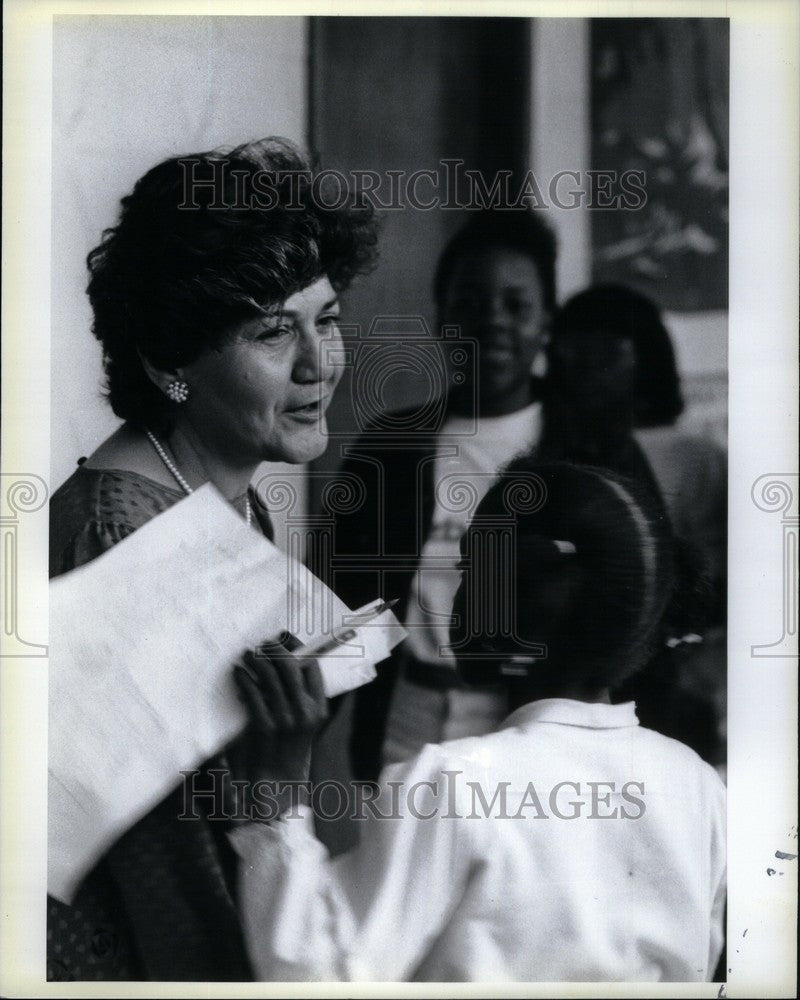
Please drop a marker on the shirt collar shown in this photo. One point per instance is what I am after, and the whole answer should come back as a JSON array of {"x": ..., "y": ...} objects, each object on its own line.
[
  {"x": 568, "y": 712},
  {"x": 491, "y": 426}
]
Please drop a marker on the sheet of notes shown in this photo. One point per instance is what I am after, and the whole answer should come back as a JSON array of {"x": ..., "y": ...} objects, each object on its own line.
[{"x": 142, "y": 644}]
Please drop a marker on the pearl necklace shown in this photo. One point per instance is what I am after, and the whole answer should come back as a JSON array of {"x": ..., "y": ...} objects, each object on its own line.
[{"x": 187, "y": 489}]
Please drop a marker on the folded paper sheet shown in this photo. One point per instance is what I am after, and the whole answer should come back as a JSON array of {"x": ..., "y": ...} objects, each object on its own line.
[{"x": 142, "y": 643}]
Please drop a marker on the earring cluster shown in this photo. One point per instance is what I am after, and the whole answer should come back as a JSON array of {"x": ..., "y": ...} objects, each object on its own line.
[{"x": 178, "y": 391}]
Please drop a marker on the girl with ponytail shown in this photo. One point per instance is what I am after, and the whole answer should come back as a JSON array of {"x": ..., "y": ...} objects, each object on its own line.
[{"x": 572, "y": 844}]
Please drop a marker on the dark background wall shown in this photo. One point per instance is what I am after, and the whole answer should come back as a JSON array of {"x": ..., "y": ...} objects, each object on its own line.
[{"x": 404, "y": 94}]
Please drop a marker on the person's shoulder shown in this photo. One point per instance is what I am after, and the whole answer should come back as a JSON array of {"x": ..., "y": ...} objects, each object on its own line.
[
  {"x": 681, "y": 444},
  {"x": 442, "y": 772},
  {"x": 680, "y": 760},
  {"x": 95, "y": 508},
  {"x": 100, "y": 494},
  {"x": 435, "y": 760},
  {"x": 483, "y": 753},
  {"x": 76, "y": 502},
  {"x": 704, "y": 456}
]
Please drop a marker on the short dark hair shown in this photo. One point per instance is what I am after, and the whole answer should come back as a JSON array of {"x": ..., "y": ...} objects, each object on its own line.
[
  {"x": 189, "y": 260},
  {"x": 523, "y": 231},
  {"x": 592, "y": 574},
  {"x": 622, "y": 312}
]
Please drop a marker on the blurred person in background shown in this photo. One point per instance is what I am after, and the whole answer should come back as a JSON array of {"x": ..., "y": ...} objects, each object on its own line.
[
  {"x": 615, "y": 389},
  {"x": 495, "y": 281}
]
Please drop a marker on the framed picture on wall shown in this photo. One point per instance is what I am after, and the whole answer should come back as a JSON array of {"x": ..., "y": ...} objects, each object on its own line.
[{"x": 659, "y": 106}]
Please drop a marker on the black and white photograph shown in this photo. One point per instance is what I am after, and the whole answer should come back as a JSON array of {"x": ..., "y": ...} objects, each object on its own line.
[{"x": 400, "y": 499}]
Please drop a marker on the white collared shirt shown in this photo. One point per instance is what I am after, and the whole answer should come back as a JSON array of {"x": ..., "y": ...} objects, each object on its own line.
[{"x": 630, "y": 889}]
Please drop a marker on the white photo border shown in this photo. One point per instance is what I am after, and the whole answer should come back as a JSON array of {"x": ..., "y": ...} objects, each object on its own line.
[{"x": 763, "y": 412}]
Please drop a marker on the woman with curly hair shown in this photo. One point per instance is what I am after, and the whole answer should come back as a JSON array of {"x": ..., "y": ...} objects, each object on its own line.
[{"x": 215, "y": 302}]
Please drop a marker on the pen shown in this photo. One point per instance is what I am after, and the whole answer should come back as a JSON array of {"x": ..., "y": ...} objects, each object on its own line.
[
  {"x": 346, "y": 632},
  {"x": 341, "y": 635}
]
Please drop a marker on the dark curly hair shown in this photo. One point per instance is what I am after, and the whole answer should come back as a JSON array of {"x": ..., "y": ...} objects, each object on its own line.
[
  {"x": 593, "y": 572},
  {"x": 205, "y": 241},
  {"x": 522, "y": 231},
  {"x": 620, "y": 311}
]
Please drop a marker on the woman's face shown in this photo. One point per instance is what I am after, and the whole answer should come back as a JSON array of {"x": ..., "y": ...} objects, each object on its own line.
[
  {"x": 495, "y": 296},
  {"x": 263, "y": 394},
  {"x": 594, "y": 369}
]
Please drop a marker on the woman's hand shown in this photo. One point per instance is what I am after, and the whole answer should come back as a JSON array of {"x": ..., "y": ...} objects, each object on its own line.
[{"x": 286, "y": 703}]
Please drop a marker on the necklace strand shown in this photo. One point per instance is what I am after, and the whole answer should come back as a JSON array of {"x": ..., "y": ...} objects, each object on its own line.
[{"x": 173, "y": 469}]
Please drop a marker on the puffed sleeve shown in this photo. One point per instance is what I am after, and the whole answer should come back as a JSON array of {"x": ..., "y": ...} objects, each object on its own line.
[
  {"x": 93, "y": 539},
  {"x": 369, "y": 915}
]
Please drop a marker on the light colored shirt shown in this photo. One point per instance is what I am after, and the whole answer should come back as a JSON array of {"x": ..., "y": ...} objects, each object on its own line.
[
  {"x": 506, "y": 863},
  {"x": 465, "y": 469}
]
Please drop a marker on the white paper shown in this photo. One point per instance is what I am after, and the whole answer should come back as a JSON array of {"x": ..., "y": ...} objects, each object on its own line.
[
  {"x": 141, "y": 687},
  {"x": 353, "y": 663}
]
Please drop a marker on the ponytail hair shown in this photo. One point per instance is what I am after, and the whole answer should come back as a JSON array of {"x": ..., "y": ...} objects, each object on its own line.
[{"x": 592, "y": 574}]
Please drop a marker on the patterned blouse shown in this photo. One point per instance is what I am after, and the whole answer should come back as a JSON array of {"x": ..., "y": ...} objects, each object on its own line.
[{"x": 160, "y": 904}]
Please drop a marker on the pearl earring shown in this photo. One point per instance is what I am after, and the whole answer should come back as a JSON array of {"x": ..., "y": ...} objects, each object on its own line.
[{"x": 178, "y": 391}]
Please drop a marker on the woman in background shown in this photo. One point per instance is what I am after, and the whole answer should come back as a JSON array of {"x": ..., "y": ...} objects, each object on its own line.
[
  {"x": 215, "y": 302},
  {"x": 495, "y": 282},
  {"x": 612, "y": 350}
]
